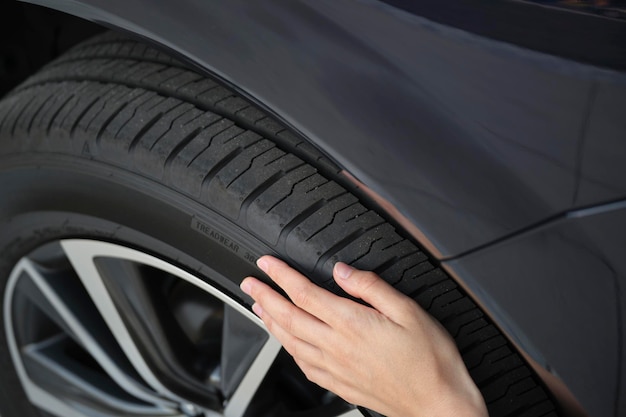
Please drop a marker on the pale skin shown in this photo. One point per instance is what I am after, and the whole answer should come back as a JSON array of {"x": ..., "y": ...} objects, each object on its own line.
[{"x": 392, "y": 357}]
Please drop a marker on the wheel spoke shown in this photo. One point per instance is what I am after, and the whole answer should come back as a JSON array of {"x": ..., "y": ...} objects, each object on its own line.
[
  {"x": 81, "y": 254},
  {"x": 49, "y": 366},
  {"x": 127, "y": 333},
  {"x": 110, "y": 275},
  {"x": 253, "y": 378},
  {"x": 71, "y": 309},
  {"x": 37, "y": 395},
  {"x": 242, "y": 341}
]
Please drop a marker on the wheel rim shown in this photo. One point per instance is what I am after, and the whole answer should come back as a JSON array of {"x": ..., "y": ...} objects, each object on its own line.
[{"x": 96, "y": 328}]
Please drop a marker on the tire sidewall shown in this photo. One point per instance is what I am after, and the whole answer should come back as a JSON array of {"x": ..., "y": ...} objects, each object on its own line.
[{"x": 54, "y": 198}]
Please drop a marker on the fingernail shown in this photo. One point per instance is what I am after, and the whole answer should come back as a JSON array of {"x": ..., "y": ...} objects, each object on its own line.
[
  {"x": 262, "y": 264},
  {"x": 343, "y": 271},
  {"x": 258, "y": 310},
  {"x": 246, "y": 286}
]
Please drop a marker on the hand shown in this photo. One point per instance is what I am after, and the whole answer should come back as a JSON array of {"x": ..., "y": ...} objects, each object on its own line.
[{"x": 392, "y": 357}]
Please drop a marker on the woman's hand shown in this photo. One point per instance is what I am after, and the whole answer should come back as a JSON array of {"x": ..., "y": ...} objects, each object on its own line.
[{"x": 392, "y": 357}]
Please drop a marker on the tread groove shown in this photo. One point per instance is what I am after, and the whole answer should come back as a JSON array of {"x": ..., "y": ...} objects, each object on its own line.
[
  {"x": 507, "y": 392},
  {"x": 460, "y": 329},
  {"x": 332, "y": 220},
  {"x": 145, "y": 129},
  {"x": 142, "y": 99},
  {"x": 420, "y": 290},
  {"x": 5, "y": 116},
  {"x": 56, "y": 113},
  {"x": 315, "y": 187},
  {"x": 221, "y": 165},
  {"x": 19, "y": 115},
  {"x": 36, "y": 113},
  {"x": 305, "y": 214},
  {"x": 242, "y": 109},
  {"x": 404, "y": 271},
  {"x": 477, "y": 343},
  {"x": 341, "y": 244},
  {"x": 108, "y": 121},
  {"x": 169, "y": 129},
  {"x": 267, "y": 184},
  {"x": 456, "y": 314},
  {"x": 293, "y": 187},
  {"x": 494, "y": 377},
  {"x": 391, "y": 245},
  {"x": 107, "y": 85},
  {"x": 180, "y": 146},
  {"x": 369, "y": 250},
  {"x": 243, "y": 171},
  {"x": 263, "y": 187},
  {"x": 181, "y": 70},
  {"x": 82, "y": 114},
  {"x": 387, "y": 264},
  {"x": 210, "y": 142}
]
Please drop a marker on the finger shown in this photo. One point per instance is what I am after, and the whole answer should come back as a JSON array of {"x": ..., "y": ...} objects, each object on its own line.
[
  {"x": 289, "y": 317},
  {"x": 372, "y": 289},
  {"x": 298, "y": 348},
  {"x": 305, "y": 294}
]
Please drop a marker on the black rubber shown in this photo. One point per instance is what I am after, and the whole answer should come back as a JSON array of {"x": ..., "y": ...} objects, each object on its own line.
[{"x": 119, "y": 104}]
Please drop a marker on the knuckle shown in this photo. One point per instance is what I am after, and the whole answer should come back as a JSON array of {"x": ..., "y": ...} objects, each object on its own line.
[
  {"x": 287, "y": 321},
  {"x": 369, "y": 280},
  {"x": 352, "y": 321},
  {"x": 302, "y": 297},
  {"x": 408, "y": 306},
  {"x": 258, "y": 293},
  {"x": 371, "y": 276},
  {"x": 269, "y": 323},
  {"x": 291, "y": 347}
]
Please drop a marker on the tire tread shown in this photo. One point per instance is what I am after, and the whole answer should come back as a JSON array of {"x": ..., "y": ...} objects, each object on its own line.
[{"x": 120, "y": 97}]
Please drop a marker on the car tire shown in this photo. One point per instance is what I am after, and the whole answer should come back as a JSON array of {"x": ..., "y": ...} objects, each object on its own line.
[{"x": 117, "y": 143}]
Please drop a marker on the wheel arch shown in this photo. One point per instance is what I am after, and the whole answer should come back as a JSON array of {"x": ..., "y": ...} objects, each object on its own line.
[
  {"x": 161, "y": 26},
  {"x": 387, "y": 109},
  {"x": 169, "y": 40}
]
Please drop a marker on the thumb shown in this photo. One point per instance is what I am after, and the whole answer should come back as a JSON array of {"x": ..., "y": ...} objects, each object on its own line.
[{"x": 371, "y": 288}]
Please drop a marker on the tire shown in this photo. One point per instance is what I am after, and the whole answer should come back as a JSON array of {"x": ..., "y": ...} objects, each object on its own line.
[{"x": 117, "y": 143}]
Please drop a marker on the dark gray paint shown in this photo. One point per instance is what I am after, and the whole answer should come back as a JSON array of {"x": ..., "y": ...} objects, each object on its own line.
[
  {"x": 559, "y": 292},
  {"x": 584, "y": 35},
  {"x": 471, "y": 139},
  {"x": 603, "y": 166}
]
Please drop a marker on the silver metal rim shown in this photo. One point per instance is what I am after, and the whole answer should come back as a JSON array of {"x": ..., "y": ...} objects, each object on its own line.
[{"x": 116, "y": 373}]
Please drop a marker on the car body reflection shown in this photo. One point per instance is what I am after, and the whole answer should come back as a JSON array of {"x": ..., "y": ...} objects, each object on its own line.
[{"x": 615, "y": 9}]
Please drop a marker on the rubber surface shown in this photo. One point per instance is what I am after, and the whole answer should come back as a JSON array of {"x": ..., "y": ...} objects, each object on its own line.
[{"x": 116, "y": 101}]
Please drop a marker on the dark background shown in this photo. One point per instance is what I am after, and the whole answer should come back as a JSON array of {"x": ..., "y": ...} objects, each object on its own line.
[{"x": 31, "y": 36}]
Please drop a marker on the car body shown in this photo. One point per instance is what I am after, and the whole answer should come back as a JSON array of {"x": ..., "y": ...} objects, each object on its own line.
[{"x": 492, "y": 132}]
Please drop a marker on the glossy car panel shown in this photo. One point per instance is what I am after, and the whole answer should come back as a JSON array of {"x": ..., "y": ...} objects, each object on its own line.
[
  {"x": 443, "y": 124},
  {"x": 487, "y": 148},
  {"x": 589, "y": 31},
  {"x": 559, "y": 291},
  {"x": 604, "y": 149}
]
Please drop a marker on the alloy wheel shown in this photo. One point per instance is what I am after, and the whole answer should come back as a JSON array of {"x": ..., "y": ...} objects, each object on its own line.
[{"x": 99, "y": 329}]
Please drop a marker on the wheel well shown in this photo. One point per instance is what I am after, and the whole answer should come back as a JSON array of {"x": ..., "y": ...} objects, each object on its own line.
[{"x": 34, "y": 35}]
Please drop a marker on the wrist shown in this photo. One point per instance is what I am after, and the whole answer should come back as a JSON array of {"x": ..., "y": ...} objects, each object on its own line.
[
  {"x": 466, "y": 402},
  {"x": 462, "y": 399}
]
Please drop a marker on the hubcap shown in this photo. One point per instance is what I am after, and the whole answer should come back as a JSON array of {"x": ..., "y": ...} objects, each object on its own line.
[{"x": 99, "y": 329}]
